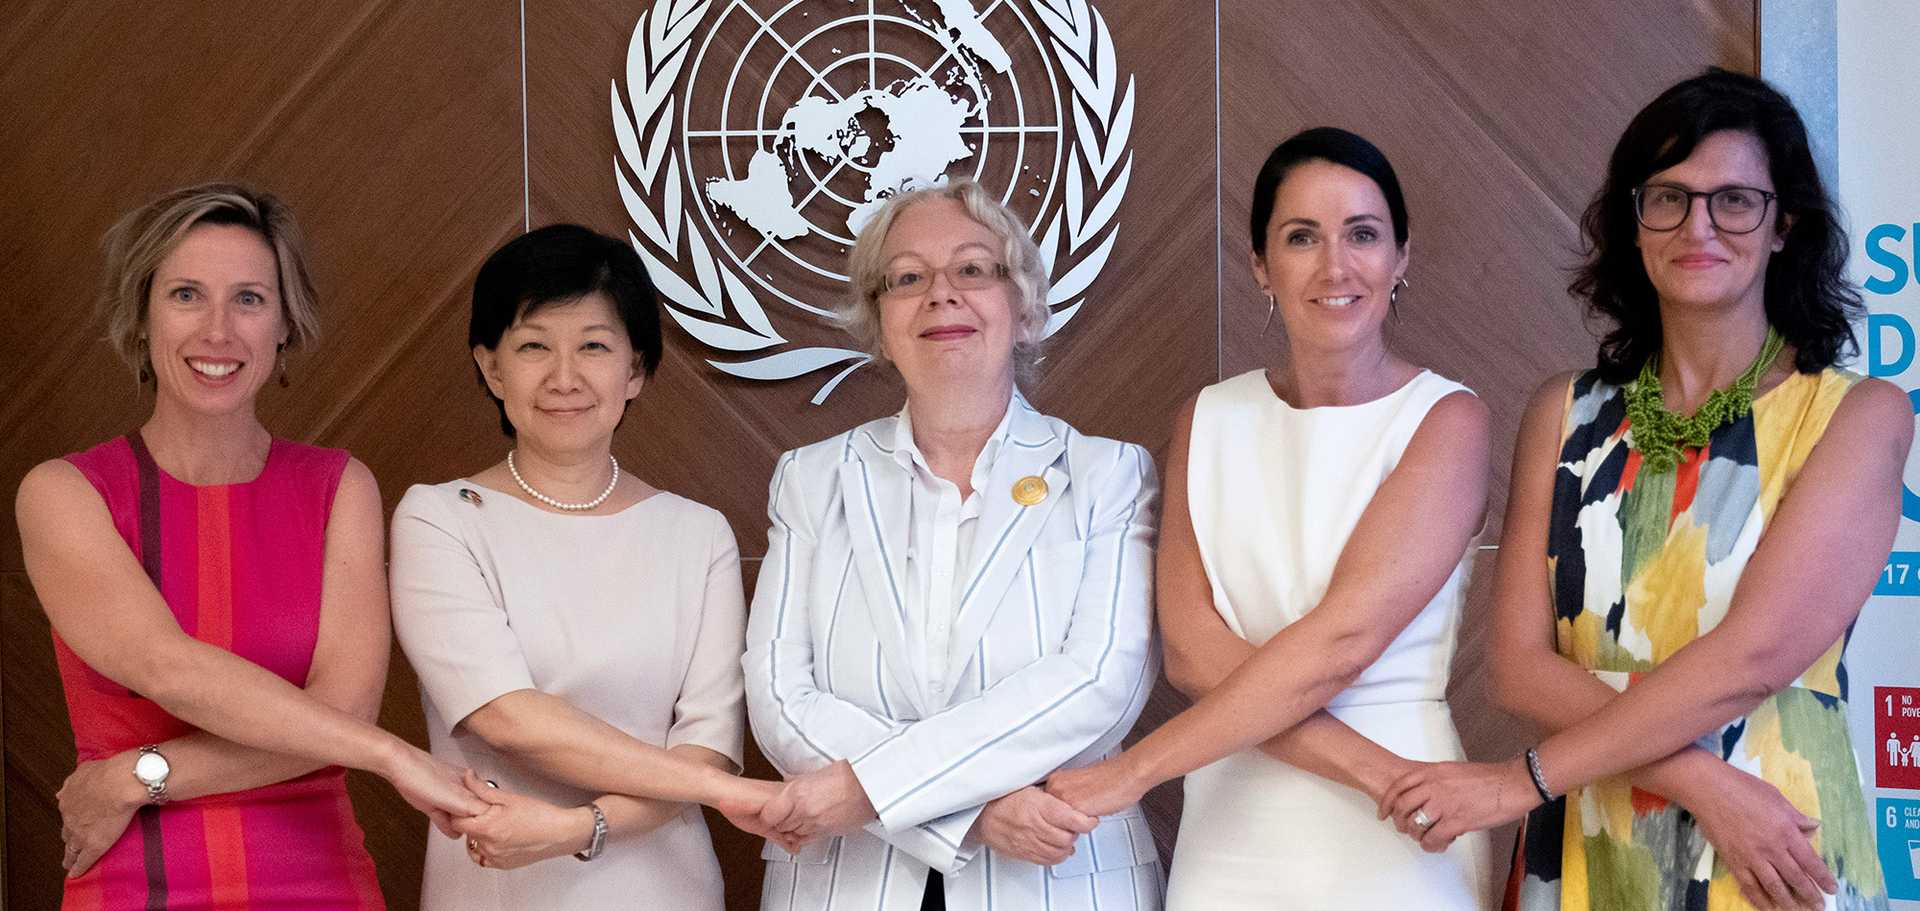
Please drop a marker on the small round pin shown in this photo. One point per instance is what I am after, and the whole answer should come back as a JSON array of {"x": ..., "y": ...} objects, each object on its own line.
[
  {"x": 470, "y": 495},
  {"x": 1030, "y": 490}
]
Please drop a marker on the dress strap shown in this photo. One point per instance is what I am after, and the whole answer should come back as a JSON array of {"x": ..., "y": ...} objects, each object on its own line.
[{"x": 147, "y": 477}]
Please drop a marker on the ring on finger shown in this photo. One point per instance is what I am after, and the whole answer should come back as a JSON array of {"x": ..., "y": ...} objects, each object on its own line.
[{"x": 1421, "y": 819}]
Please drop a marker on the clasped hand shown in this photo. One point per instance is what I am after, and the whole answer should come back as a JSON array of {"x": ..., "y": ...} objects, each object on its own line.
[
  {"x": 1032, "y": 825},
  {"x": 825, "y": 802},
  {"x": 97, "y": 802},
  {"x": 1437, "y": 802},
  {"x": 516, "y": 830}
]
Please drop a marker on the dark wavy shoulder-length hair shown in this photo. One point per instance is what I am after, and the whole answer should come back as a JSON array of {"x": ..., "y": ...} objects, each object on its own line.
[{"x": 1808, "y": 298}]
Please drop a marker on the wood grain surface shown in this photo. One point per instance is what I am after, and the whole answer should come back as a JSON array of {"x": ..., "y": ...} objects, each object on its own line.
[{"x": 395, "y": 131}]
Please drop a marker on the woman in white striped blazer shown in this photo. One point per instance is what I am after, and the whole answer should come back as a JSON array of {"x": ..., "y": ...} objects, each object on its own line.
[{"x": 955, "y": 603}]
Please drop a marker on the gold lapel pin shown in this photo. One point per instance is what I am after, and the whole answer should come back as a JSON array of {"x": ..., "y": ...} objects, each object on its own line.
[
  {"x": 470, "y": 495},
  {"x": 1030, "y": 490}
]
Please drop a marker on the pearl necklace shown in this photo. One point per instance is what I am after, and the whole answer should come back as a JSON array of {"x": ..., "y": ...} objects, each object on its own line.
[{"x": 556, "y": 504}]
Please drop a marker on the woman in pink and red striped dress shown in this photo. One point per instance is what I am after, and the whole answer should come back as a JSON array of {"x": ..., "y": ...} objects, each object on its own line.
[{"x": 217, "y": 595}]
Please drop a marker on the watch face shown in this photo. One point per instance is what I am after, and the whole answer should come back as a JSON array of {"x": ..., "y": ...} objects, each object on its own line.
[{"x": 150, "y": 768}]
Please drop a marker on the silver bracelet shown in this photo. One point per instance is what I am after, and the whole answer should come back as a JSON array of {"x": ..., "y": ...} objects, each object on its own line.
[
  {"x": 599, "y": 841},
  {"x": 1539, "y": 777}
]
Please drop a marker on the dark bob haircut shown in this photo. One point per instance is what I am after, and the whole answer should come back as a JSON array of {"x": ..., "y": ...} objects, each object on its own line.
[
  {"x": 1808, "y": 298},
  {"x": 559, "y": 264},
  {"x": 1329, "y": 144}
]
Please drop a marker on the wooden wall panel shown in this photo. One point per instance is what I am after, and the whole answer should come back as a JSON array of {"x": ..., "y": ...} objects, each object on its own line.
[
  {"x": 395, "y": 132},
  {"x": 392, "y": 131}
]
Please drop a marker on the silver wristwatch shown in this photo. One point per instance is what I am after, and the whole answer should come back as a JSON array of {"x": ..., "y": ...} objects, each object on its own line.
[
  {"x": 151, "y": 769},
  {"x": 599, "y": 842}
]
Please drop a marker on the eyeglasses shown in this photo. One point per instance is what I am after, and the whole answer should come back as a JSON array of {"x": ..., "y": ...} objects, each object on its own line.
[
  {"x": 910, "y": 279},
  {"x": 1735, "y": 210}
]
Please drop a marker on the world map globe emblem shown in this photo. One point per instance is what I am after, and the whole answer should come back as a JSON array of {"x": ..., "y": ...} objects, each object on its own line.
[{"x": 756, "y": 139}]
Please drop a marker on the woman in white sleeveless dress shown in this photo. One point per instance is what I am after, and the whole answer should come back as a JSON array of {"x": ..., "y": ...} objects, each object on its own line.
[{"x": 1312, "y": 565}]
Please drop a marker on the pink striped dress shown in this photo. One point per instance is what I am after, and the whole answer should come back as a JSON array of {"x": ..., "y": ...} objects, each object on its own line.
[{"x": 241, "y": 567}]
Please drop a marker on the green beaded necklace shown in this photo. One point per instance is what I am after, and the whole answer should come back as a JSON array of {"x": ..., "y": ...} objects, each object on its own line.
[{"x": 1659, "y": 434}]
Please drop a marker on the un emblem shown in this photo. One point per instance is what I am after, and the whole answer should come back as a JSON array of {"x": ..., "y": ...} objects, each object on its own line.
[{"x": 755, "y": 139}]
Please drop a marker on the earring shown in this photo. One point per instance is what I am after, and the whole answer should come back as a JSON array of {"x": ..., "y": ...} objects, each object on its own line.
[
  {"x": 1393, "y": 297},
  {"x": 145, "y": 371},
  {"x": 1269, "y": 322},
  {"x": 280, "y": 353}
]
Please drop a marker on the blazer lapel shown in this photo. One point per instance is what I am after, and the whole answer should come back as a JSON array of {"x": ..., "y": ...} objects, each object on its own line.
[
  {"x": 1006, "y": 529},
  {"x": 877, "y": 499}
]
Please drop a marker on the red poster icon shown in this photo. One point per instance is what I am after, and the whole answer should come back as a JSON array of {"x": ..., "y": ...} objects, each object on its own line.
[{"x": 1896, "y": 734}]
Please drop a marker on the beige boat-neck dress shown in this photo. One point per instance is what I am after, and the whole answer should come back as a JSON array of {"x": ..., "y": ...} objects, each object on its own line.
[{"x": 635, "y": 617}]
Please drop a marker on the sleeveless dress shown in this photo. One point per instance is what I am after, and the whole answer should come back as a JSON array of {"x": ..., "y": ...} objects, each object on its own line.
[
  {"x": 1274, "y": 493},
  {"x": 240, "y": 565},
  {"x": 1640, "y": 566}
]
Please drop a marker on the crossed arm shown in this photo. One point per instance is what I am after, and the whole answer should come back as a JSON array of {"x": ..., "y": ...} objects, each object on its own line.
[
  {"x": 256, "y": 728},
  {"x": 1836, "y": 515},
  {"x": 440, "y": 592},
  {"x": 1379, "y": 585},
  {"x": 1201, "y": 651}
]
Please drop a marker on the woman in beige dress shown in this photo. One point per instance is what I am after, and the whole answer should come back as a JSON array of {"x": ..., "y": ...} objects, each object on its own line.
[{"x": 577, "y": 632}]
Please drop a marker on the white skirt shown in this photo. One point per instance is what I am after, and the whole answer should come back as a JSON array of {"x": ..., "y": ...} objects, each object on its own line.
[{"x": 1257, "y": 833}]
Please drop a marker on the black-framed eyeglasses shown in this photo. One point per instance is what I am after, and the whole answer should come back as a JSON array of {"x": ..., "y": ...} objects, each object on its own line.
[
  {"x": 966, "y": 275},
  {"x": 1735, "y": 210}
]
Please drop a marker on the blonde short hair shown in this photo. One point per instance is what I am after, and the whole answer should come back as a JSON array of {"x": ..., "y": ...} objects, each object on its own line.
[
  {"x": 140, "y": 241},
  {"x": 860, "y": 313}
]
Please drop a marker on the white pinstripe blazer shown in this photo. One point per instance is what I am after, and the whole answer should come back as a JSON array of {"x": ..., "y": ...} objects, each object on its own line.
[{"x": 1051, "y": 661}]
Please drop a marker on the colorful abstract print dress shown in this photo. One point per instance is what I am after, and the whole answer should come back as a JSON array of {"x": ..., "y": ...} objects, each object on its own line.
[
  {"x": 241, "y": 566},
  {"x": 1641, "y": 565}
]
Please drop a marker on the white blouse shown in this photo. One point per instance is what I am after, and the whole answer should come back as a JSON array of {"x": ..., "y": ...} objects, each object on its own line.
[{"x": 940, "y": 537}]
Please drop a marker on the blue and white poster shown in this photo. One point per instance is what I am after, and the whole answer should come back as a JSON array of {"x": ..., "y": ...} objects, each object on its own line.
[{"x": 1879, "y": 185}]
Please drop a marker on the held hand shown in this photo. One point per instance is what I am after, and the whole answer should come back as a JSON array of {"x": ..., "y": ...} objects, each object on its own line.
[
  {"x": 1437, "y": 802},
  {"x": 741, "y": 801},
  {"x": 1032, "y": 825},
  {"x": 97, "y": 802},
  {"x": 1101, "y": 789},
  {"x": 1764, "y": 841},
  {"x": 828, "y": 801},
  {"x": 432, "y": 787},
  {"x": 517, "y": 830}
]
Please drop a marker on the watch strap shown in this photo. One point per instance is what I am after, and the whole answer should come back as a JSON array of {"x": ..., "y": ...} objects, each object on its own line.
[
  {"x": 156, "y": 790},
  {"x": 599, "y": 842}
]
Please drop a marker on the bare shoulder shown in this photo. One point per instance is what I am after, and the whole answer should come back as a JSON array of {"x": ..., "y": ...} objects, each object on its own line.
[
  {"x": 1458, "y": 422},
  {"x": 1183, "y": 419},
  {"x": 357, "y": 480},
  {"x": 357, "y": 510},
  {"x": 1552, "y": 392},
  {"x": 48, "y": 488},
  {"x": 1874, "y": 410},
  {"x": 1460, "y": 410}
]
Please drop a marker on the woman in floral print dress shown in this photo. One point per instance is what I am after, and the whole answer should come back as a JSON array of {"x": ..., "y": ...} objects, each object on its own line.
[{"x": 1714, "y": 504}]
